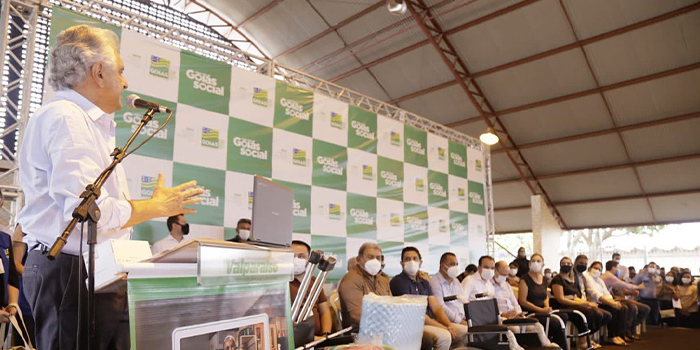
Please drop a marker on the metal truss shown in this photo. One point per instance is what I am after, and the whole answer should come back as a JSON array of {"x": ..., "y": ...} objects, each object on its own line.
[
  {"x": 490, "y": 213},
  {"x": 422, "y": 14},
  {"x": 25, "y": 23},
  {"x": 20, "y": 93}
]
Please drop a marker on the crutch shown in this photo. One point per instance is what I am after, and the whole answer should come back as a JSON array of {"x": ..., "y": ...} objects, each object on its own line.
[
  {"x": 326, "y": 266},
  {"x": 314, "y": 259}
]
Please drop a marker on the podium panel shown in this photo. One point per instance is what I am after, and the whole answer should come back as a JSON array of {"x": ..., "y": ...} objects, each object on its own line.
[{"x": 170, "y": 309}]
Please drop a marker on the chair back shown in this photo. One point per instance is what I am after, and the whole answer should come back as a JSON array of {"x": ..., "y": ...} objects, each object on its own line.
[
  {"x": 482, "y": 312},
  {"x": 336, "y": 315}
]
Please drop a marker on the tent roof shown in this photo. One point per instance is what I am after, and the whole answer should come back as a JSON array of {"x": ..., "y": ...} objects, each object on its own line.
[{"x": 601, "y": 97}]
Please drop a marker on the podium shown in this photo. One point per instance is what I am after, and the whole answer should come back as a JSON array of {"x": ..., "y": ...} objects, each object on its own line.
[{"x": 209, "y": 294}]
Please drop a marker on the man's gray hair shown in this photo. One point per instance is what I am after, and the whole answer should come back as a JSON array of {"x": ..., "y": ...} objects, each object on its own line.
[
  {"x": 368, "y": 245},
  {"x": 77, "y": 49}
]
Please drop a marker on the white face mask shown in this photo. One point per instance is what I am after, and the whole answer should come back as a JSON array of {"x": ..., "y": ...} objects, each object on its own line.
[
  {"x": 685, "y": 280},
  {"x": 487, "y": 274},
  {"x": 536, "y": 266},
  {"x": 548, "y": 275},
  {"x": 244, "y": 234},
  {"x": 521, "y": 254},
  {"x": 595, "y": 273},
  {"x": 500, "y": 279},
  {"x": 513, "y": 272},
  {"x": 373, "y": 266},
  {"x": 411, "y": 267},
  {"x": 617, "y": 261},
  {"x": 453, "y": 271},
  {"x": 669, "y": 279},
  {"x": 651, "y": 270},
  {"x": 299, "y": 266}
]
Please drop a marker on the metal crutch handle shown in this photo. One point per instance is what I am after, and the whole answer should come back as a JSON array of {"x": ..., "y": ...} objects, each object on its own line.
[{"x": 326, "y": 266}]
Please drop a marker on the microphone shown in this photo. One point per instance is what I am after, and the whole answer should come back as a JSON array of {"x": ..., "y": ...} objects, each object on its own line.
[{"x": 133, "y": 101}]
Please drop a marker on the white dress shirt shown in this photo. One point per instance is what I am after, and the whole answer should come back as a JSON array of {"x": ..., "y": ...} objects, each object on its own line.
[
  {"x": 474, "y": 285},
  {"x": 442, "y": 288},
  {"x": 166, "y": 243},
  {"x": 595, "y": 288},
  {"x": 66, "y": 146},
  {"x": 505, "y": 297}
]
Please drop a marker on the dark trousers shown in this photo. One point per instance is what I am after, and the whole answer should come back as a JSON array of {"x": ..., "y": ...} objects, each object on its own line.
[
  {"x": 654, "y": 317},
  {"x": 641, "y": 312},
  {"x": 556, "y": 333},
  {"x": 596, "y": 318},
  {"x": 51, "y": 287},
  {"x": 621, "y": 322}
]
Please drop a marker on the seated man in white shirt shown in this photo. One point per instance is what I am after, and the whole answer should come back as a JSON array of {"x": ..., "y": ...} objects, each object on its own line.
[
  {"x": 508, "y": 304},
  {"x": 445, "y": 284},
  {"x": 478, "y": 285},
  {"x": 178, "y": 227}
]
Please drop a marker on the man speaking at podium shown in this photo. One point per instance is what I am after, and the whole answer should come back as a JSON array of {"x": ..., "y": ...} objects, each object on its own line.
[{"x": 66, "y": 145}]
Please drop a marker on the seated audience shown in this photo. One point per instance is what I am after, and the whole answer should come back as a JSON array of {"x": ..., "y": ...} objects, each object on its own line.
[
  {"x": 242, "y": 231},
  {"x": 321, "y": 310},
  {"x": 567, "y": 290},
  {"x": 649, "y": 295},
  {"x": 622, "y": 316},
  {"x": 508, "y": 304},
  {"x": 616, "y": 286},
  {"x": 439, "y": 332},
  {"x": 533, "y": 297},
  {"x": 687, "y": 296},
  {"x": 362, "y": 280},
  {"x": 445, "y": 284},
  {"x": 631, "y": 272}
]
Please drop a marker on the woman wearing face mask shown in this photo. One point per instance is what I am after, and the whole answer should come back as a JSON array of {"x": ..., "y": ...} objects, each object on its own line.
[
  {"x": 568, "y": 295},
  {"x": 513, "y": 278},
  {"x": 533, "y": 297},
  {"x": 688, "y": 314},
  {"x": 649, "y": 295},
  {"x": 522, "y": 262},
  {"x": 622, "y": 317}
]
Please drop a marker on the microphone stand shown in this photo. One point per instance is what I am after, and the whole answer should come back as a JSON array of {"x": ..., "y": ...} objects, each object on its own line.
[{"x": 88, "y": 211}]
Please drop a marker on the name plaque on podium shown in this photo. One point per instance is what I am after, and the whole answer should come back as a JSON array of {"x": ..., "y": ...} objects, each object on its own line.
[{"x": 219, "y": 265}]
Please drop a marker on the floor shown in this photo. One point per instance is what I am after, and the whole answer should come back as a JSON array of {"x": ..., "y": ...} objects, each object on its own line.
[{"x": 662, "y": 338}]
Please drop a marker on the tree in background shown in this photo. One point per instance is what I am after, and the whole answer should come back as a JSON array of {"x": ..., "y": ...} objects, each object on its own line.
[{"x": 590, "y": 241}]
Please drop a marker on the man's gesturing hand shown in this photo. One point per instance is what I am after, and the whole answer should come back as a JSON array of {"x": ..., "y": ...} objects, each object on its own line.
[{"x": 174, "y": 200}]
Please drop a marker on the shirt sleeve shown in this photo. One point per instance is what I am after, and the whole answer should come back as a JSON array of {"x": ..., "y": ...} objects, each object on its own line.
[
  {"x": 514, "y": 299},
  {"x": 351, "y": 292},
  {"x": 75, "y": 163},
  {"x": 440, "y": 296},
  {"x": 593, "y": 292}
]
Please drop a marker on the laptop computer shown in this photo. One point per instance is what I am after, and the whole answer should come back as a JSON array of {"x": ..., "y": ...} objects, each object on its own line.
[{"x": 272, "y": 213}]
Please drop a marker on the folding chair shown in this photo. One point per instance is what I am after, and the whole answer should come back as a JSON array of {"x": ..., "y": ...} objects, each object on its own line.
[
  {"x": 570, "y": 327},
  {"x": 488, "y": 332}
]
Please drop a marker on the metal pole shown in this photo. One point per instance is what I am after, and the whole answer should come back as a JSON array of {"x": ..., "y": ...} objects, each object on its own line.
[
  {"x": 325, "y": 266},
  {"x": 314, "y": 259}
]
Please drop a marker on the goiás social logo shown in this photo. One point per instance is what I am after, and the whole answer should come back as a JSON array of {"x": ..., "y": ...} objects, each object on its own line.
[
  {"x": 260, "y": 97},
  {"x": 362, "y": 130},
  {"x": 208, "y": 199},
  {"x": 148, "y": 130},
  {"x": 330, "y": 165},
  {"x": 148, "y": 184},
  {"x": 415, "y": 146},
  {"x": 205, "y": 82},
  {"x": 210, "y": 137},
  {"x": 294, "y": 109},
  {"x": 160, "y": 67},
  {"x": 336, "y": 120},
  {"x": 391, "y": 179},
  {"x": 250, "y": 148},
  {"x": 298, "y": 157},
  {"x": 361, "y": 217}
]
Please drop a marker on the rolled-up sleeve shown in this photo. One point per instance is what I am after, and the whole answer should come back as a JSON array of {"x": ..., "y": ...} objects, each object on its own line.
[{"x": 75, "y": 163}]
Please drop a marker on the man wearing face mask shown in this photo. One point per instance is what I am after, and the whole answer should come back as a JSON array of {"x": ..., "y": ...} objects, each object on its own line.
[
  {"x": 178, "y": 227},
  {"x": 522, "y": 262},
  {"x": 445, "y": 284},
  {"x": 439, "y": 332},
  {"x": 321, "y": 310},
  {"x": 360, "y": 281},
  {"x": 622, "y": 270},
  {"x": 649, "y": 295},
  {"x": 242, "y": 231},
  {"x": 479, "y": 285}
]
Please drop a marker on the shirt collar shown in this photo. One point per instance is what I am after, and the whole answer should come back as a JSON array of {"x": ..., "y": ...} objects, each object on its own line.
[{"x": 90, "y": 108}]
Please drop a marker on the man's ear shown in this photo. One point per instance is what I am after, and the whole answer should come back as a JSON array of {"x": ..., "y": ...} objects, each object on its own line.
[{"x": 97, "y": 73}]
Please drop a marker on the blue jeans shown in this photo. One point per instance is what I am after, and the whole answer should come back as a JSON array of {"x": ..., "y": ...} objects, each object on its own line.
[{"x": 654, "y": 317}]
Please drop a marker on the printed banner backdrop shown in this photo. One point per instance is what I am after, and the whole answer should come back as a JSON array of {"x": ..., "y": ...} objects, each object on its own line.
[{"x": 357, "y": 176}]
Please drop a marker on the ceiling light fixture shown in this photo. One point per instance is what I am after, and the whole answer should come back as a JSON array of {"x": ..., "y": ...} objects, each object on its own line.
[
  {"x": 489, "y": 137},
  {"x": 396, "y": 7}
]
